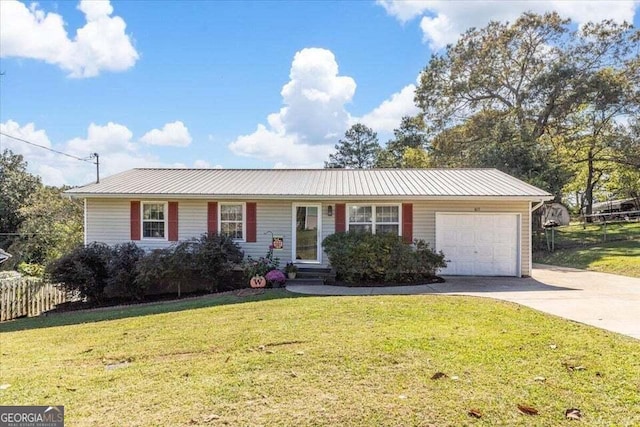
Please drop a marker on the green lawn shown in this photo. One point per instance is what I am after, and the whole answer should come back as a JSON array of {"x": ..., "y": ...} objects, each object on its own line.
[
  {"x": 577, "y": 234},
  {"x": 275, "y": 360},
  {"x": 587, "y": 248},
  {"x": 622, "y": 257}
]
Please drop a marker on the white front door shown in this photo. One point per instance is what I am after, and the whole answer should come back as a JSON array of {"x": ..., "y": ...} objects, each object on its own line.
[
  {"x": 479, "y": 244},
  {"x": 307, "y": 233}
]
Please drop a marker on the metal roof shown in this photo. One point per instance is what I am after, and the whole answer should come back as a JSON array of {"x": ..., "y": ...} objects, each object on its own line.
[{"x": 312, "y": 183}]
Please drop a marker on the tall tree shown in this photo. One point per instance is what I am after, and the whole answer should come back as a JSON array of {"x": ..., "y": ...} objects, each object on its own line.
[
  {"x": 16, "y": 184},
  {"x": 358, "y": 149},
  {"x": 410, "y": 134},
  {"x": 492, "y": 139},
  {"x": 607, "y": 97},
  {"x": 532, "y": 78},
  {"x": 51, "y": 226}
]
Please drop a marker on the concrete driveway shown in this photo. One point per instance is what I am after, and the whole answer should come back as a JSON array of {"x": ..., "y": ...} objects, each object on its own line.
[{"x": 604, "y": 300}]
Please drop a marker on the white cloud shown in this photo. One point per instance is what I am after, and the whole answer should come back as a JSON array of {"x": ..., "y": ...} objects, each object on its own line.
[
  {"x": 173, "y": 134},
  {"x": 203, "y": 164},
  {"x": 118, "y": 152},
  {"x": 314, "y": 97},
  {"x": 404, "y": 10},
  {"x": 304, "y": 131},
  {"x": 100, "y": 45},
  {"x": 388, "y": 115},
  {"x": 113, "y": 142},
  {"x": 27, "y": 132},
  {"x": 443, "y": 21},
  {"x": 111, "y": 138},
  {"x": 280, "y": 148}
]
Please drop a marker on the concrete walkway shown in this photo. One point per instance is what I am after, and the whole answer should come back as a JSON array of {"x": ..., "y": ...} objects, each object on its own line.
[{"x": 607, "y": 301}]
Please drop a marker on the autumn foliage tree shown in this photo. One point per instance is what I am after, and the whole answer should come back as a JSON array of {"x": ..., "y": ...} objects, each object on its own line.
[{"x": 533, "y": 98}]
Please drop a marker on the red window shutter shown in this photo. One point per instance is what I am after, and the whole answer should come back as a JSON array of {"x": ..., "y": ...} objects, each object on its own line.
[
  {"x": 407, "y": 222},
  {"x": 341, "y": 217},
  {"x": 252, "y": 222},
  {"x": 135, "y": 220},
  {"x": 173, "y": 221},
  {"x": 212, "y": 217}
]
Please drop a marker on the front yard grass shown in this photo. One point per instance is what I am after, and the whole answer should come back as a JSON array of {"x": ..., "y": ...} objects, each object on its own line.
[
  {"x": 323, "y": 361},
  {"x": 578, "y": 234},
  {"x": 621, "y": 257},
  {"x": 585, "y": 247}
]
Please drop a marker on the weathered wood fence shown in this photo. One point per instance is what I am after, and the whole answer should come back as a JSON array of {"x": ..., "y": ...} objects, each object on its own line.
[{"x": 28, "y": 296}]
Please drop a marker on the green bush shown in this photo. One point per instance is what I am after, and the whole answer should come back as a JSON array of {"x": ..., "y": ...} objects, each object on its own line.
[
  {"x": 126, "y": 271},
  {"x": 84, "y": 270},
  {"x": 215, "y": 258},
  {"x": 378, "y": 258},
  {"x": 122, "y": 281},
  {"x": 31, "y": 269},
  {"x": 206, "y": 263},
  {"x": 151, "y": 270}
]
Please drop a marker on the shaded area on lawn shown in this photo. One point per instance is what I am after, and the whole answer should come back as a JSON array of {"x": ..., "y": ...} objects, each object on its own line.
[
  {"x": 622, "y": 257},
  {"x": 136, "y": 310}
]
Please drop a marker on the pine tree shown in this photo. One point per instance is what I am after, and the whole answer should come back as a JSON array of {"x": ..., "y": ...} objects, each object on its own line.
[{"x": 358, "y": 149}]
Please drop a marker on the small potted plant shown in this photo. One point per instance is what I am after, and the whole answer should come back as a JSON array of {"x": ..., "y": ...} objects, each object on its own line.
[
  {"x": 291, "y": 269},
  {"x": 275, "y": 278}
]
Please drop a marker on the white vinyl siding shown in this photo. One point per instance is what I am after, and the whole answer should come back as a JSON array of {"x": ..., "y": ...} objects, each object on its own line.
[{"x": 108, "y": 221}]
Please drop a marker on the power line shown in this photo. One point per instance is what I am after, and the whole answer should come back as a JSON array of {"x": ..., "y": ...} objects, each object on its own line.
[{"x": 47, "y": 148}]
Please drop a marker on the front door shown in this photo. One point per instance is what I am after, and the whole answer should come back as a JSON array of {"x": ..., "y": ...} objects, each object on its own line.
[{"x": 307, "y": 233}]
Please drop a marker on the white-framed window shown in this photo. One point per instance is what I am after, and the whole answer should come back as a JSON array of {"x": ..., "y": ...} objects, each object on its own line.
[
  {"x": 154, "y": 220},
  {"x": 232, "y": 220},
  {"x": 372, "y": 218}
]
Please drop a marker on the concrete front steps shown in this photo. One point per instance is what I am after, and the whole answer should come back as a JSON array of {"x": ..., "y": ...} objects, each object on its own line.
[{"x": 313, "y": 276}]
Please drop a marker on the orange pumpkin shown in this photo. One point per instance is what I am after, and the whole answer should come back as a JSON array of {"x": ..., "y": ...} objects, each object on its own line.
[{"x": 258, "y": 282}]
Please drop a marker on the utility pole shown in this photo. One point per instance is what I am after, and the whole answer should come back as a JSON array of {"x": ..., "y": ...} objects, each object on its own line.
[{"x": 97, "y": 163}]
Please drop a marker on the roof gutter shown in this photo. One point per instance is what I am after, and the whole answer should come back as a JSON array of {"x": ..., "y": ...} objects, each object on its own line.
[{"x": 167, "y": 196}]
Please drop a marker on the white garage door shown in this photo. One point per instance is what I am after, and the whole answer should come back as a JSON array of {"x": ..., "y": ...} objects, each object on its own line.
[{"x": 479, "y": 244}]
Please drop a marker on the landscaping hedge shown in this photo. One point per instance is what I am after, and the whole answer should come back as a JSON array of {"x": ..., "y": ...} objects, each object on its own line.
[{"x": 364, "y": 258}]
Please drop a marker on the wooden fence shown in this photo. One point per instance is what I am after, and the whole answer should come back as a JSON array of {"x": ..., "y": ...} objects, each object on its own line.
[{"x": 28, "y": 296}]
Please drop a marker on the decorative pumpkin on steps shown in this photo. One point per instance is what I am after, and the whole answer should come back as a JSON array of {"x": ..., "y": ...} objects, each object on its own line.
[{"x": 258, "y": 282}]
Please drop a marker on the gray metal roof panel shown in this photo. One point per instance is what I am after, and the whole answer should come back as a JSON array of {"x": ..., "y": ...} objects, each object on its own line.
[{"x": 312, "y": 183}]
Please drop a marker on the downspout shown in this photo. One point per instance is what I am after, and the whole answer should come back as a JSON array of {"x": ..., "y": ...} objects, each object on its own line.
[{"x": 533, "y": 209}]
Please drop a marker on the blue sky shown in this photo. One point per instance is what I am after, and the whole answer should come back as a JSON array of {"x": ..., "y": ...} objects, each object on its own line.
[{"x": 222, "y": 84}]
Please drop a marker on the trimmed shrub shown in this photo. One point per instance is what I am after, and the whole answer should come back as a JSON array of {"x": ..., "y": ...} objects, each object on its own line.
[
  {"x": 215, "y": 258},
  {"x": 84, "y": 270},
  {"x": 151, "y": 271},
  {"x": 122, "y": 281},
  {"x": 206, "y": 263},
  {"x": 378, "y": 258}
]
